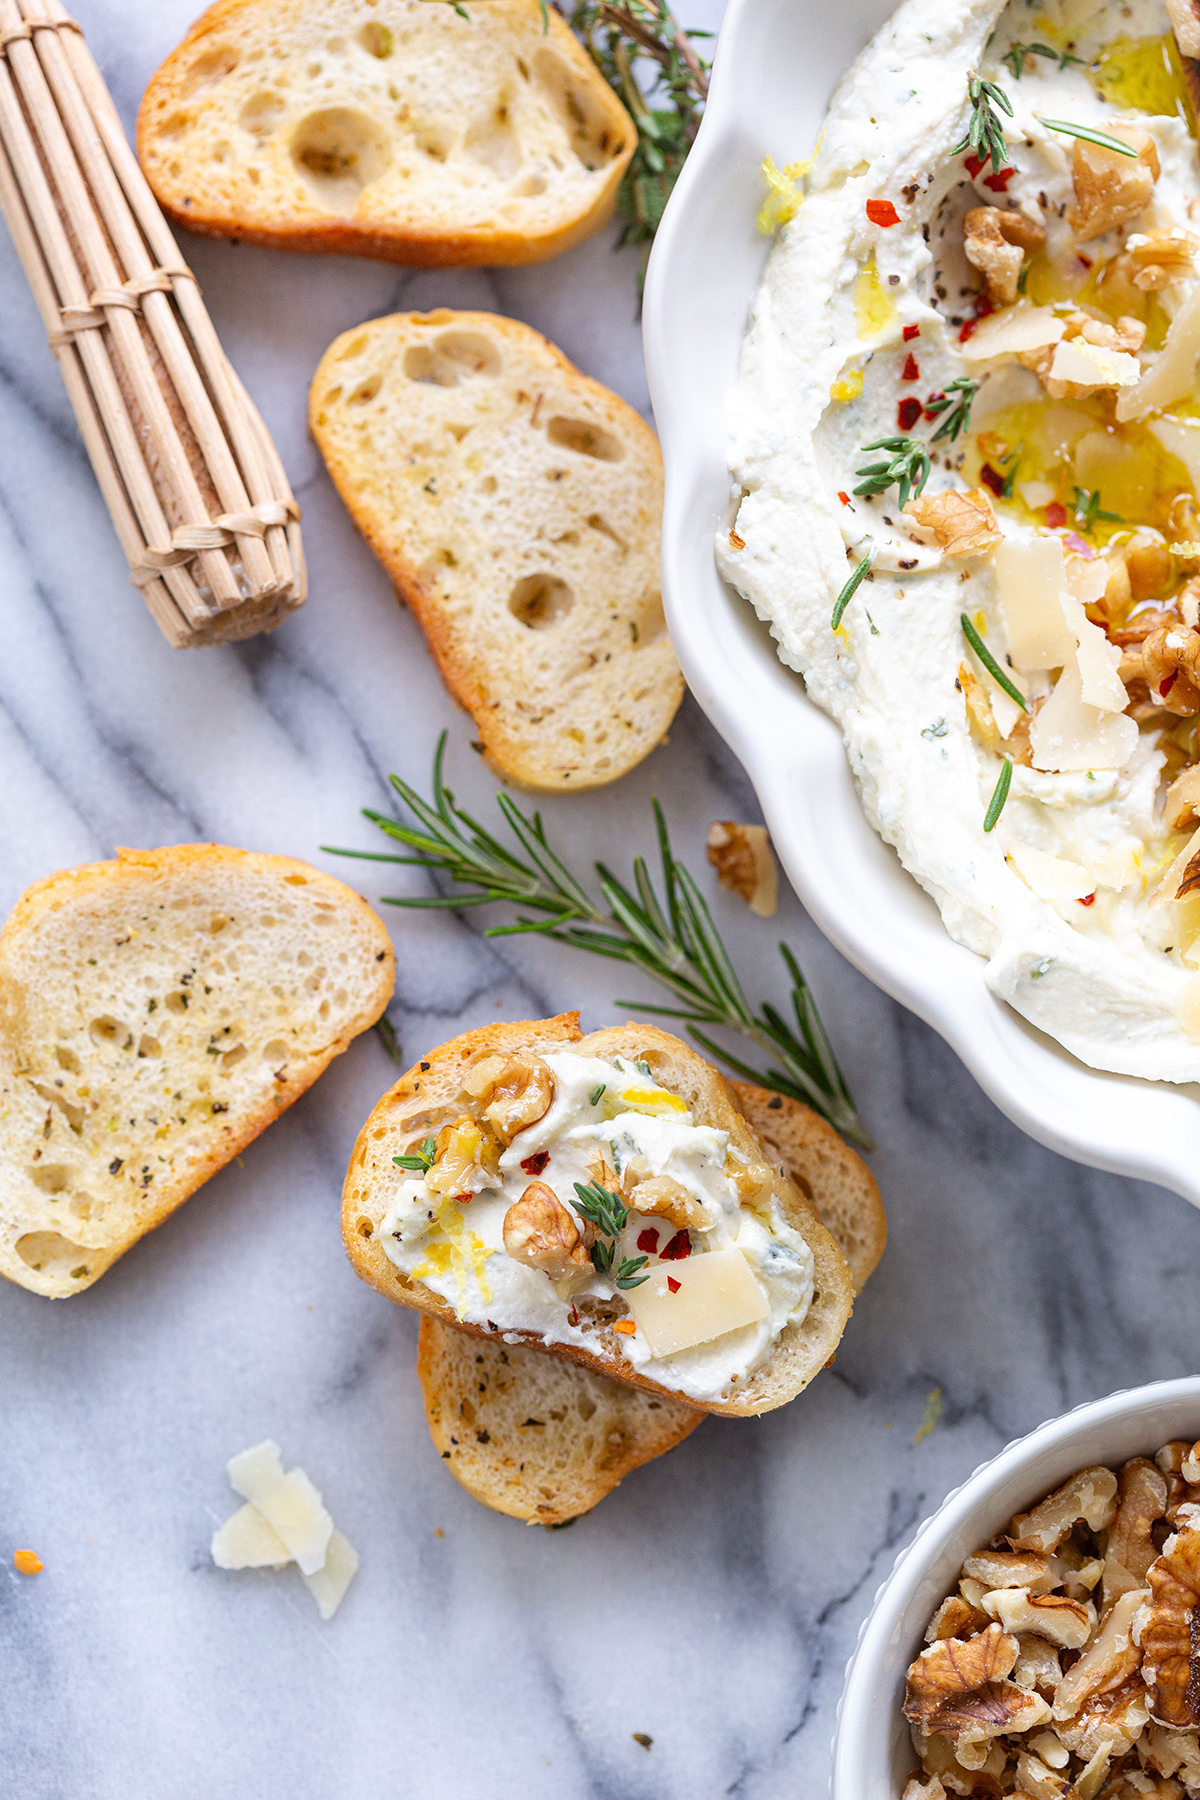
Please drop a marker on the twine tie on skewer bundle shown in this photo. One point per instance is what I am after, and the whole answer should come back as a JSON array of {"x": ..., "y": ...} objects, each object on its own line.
[{"x": 195, "y": 487}]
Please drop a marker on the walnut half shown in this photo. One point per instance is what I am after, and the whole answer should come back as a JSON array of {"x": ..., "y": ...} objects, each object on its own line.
[
  {"x": 1168, "y": 1635},
  {"x": 962, "y": 524},
  {"x": 542, "y": 1233},
  {"x": 960, "y": 1689},
  {"x": 741, "y": 855}
]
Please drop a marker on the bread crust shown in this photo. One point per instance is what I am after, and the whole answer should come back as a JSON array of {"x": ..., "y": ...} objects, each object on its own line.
[
  {"x": 134, "y": 874},
  {"x": 428, "y": 1096},
  {"x": 642, "y": 686},
  {"x": 372, "y": 235}
]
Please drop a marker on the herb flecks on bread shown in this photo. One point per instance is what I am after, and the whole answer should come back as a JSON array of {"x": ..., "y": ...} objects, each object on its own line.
[
  {"x": 156, "y": 1014},
  {"x": 735, "y": 1310},
  {"x": 418, "y": 133},
  {"x": 516, "y": 506}
]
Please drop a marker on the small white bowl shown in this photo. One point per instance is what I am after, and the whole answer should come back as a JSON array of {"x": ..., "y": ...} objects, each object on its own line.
[
  {"x": 872, "y": 1752},
  {"x": 776, "y": 64}
]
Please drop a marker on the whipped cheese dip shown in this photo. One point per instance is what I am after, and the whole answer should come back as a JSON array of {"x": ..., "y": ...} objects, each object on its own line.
[
  {"x": 1082, "y": 457},
  {"x": 738, "y": 1261}
]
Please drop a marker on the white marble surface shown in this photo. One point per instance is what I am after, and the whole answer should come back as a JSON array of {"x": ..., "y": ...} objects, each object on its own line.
[{"x": 713, "y": 1600}]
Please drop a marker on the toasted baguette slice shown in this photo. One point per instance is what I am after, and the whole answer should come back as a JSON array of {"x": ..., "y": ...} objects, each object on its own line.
[
  {"x": 532, "y": 1435},
  {"x": 156, "y": 1013},
  {"x": 543, "y": 1440},
  {"x": 516, "y": 506},
  {"x": 427, "y": 134},
  {"x": 835, "y": 1178},
  {"x": 432, "y": 1095}
]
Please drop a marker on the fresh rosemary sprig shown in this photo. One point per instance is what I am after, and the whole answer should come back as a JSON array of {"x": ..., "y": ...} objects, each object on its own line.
[
  {"x": 422, "y": 1161},
  {"x": 848, "y": 592},
  {"x": 999, "y": 796},
  {"x": 667, "y": 114},
  {"x": 990, "y": 664},
  {"x": 907, "y": 467},
  {"x": 608, "y": 1213},
  {"x": 673, "y": 940},
  {"x": 1016, "y": 54},
  {"x": 1085, "y": 131},
  {"x": 956, "y": 404},
  {"x": 985, "y": 133}
]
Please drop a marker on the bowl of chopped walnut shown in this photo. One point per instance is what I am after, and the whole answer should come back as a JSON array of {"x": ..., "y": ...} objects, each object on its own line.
[{"x": 1040, "y": 1637}]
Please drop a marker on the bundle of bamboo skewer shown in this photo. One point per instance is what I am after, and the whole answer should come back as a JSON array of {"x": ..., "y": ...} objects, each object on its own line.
[{"x": 188, "y": 471}]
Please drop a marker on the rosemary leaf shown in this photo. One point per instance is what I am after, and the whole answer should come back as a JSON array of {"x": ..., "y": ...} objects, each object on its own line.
[
  {"x": 991, "y": 665},
  {"x": 999, "y": 796},
  {"x": 1089, "y": 136},
  {"x": 848, "y": 592}
]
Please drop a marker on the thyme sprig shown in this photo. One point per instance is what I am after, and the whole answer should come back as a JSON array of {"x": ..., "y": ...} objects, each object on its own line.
[
  {"x": 906, "y": 467},
  {"x": 956, "y": 404},
  {"x": 421, "y": 1161},
  {"x": 848, "y": 592},
  {"x": 1088, "y": 510},
  {"x": 667, "y": 112},
  {"x": 672, "y": 939},
  {"x": 985, "y": 133},
  {"x": 608, "y": 1213},
  {"x": 1015, "y": 56}
]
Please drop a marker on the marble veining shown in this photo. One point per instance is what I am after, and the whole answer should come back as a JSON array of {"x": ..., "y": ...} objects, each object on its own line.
[{"x": 713, "y": 1600}]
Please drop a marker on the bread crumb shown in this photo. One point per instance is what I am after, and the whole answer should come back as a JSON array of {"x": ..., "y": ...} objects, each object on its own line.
[
  {"x": 27, "y": 1562},
  {"x": 438, "y": 1532}
]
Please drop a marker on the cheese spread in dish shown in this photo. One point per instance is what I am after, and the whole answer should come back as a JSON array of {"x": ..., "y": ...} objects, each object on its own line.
[
  {"x": 699, "y": 1278},
  {"x": 1013, "y": 672}
]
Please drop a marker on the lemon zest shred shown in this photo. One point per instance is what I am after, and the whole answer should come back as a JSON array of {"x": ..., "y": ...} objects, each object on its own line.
[
  {"x": 784, "y": 198},
  {"x": 847, "y": 387}
]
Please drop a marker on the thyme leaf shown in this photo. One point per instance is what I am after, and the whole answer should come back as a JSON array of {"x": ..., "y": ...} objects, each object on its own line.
[
  {"x": 1016, "y": 54},
  {"x": 421, "y": 1161},
  {"x": 956, "y": 404},
  {"x": 906, "y": 467},
  {"x": 669, "y": 934},
  {"x": 601, "y": 1208},
  {"x": 1087, "y": 510}
]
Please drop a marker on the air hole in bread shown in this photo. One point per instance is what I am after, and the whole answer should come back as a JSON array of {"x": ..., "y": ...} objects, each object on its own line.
[
  {"x": 148, "y": 1046},
  {"x": 107, "y": 1030},
  {"x": 233, "y": 1057},
  {"x": 339, "y": 152},
  {"x": 452, "y": 357},
  {"x": 366, "y": 390},
  {"x": 176, "y": 1003},
  {"x": 260, "y": 114},
  {"x": 376, "y": 39},
  {"x": 365, "y": 1228},
  {"x": 51, "y": 1178},
  {"x": 275, "y": 1052},
  {"x": 492, "y": 142},
  {"x": 458, "y": 432},
  {"x": 585, "y": 439},
  {"x": 540, "y": 601},
  {"x": 206, "y": 71},
  {"x": 175, "y": 127},
  {"x": 83, "y": 1206},
  {"x": 531, "y": 185},
  {"x": 52, "y": 1253},
  {"x": 588, "y": 125},
  {"x": 435, "y": 143},
  {"x": 67, "y": 1059}
]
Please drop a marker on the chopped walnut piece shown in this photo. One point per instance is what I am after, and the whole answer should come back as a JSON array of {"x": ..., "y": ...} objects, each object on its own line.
[
  {"x": 1173, "y": 1753},
  {"x": 976, "y": 1772},
  {"x": 742, "y": 857},
  {"x": 955, "y": 1618},
  {"x": 962, "y": 524},
  {"x": 1111, "y": 189},
  {"x": 1130, "y": 1549},
  {"x": 978, "y": 702},
  {"x": 1107, "y": 1721},
  {"x": 1090, "y": 1496},
  {"x": 1038, "y": 1781},
  {"x": 1167, "y": 1632},
  {"x": 1181, "y": 812},
  {"x": 1068, "y": 1623},
  {"x": 1169, "y": 663},
  {"x": 1110, "y": 1658},
  {"x": 665, "y": 1198},
  {"x": 1012, "y": 1568},
  {"x": 959, "y": 1688},
  {"x": 996, "y": 242},
  {"x": 461, "y": 1152},
  {"x": 1189, "y": 1467},
  {"x": 1037, "y": 1666},
  {"x": 915, "y": 1789},
  {"x": 516, "y": 1090},
  {"x": 1160, "y": 257},
  {"x": 542, "y": 1233}
]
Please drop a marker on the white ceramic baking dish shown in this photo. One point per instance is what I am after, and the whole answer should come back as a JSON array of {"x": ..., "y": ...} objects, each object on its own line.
[
  {"x": 872, "y": 1753},
  {"x": 776, "y": 64}
]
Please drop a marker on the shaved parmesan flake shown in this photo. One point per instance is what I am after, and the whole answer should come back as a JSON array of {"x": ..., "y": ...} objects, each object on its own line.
[
  {"x": 1050, "y": 877},
  {"x": 1097, "y": 659},
  {"x": 328, "y": 1586},
  {"x": 1092, "y": 365},
  {"x": 1037, "y": 494},
  {"x": 290, "y": 1503},
  {"x": 1181, "y": 437},
  {"x": 1068, "y": 734},
  {"x": 714, "y": 1294},
  {"x": 1119, "y": 866},
  {"x": 1030, "y": 578},
  {"x": 1012, "y": 331},
  {"x": 1170, "y": 377},
  {"x": 1189, "y": 1009},
  {"x": 246, "y": 1541}
]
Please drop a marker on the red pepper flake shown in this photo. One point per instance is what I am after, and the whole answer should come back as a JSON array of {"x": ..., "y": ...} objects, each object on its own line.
[
  {"x": 1085, "y": 260},
  {"x": 673, "y": 1284},
  {"x": 1079, "y": 545},
  {"x": 573, "y": 1316},
  {"x": 999, "y": 180},
  {"x": 461, "y": 1199},
  {"x": 1168, "y": 683},
  {"x": 936, "y": 395},
  {"x": 648, "y": 1240},
  {"x": 968, "y": 330},
  {"x": 1056, "y": 516},
  {"x": 844, "y": 498},
  {"x": 1087, "y": 900},
  {"x": 992, "y": 478},
  {"x": 882, "y": 212},
  {"x": 912, "y": 370},
  {"x": 533, "y": 1165},
  {"x": 911, "y": 332},
  {"x": 907, "y": 413},
  {"x": 974, "y": 164},
  {"x": 679, "y": 1247}
]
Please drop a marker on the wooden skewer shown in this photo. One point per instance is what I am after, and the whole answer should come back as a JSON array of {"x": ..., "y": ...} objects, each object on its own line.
[{"x": 195, "y": 487}]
